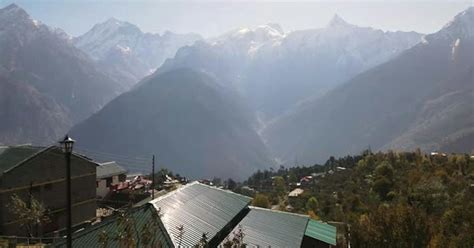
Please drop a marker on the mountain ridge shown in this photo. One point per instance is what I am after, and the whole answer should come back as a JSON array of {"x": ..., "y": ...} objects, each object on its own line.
[
  {"x": 191, "y": 122},
  {"x": 422, "y": 98},
  {"x": 128, "y": 53},
  {"x": 275, "y": 70}
]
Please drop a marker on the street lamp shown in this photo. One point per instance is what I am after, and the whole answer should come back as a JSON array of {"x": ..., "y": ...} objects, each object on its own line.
[{"x": 67, "y": 144}]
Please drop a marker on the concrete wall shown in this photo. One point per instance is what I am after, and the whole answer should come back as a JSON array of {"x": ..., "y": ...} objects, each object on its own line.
[
  {"x": 44, "y": 176},
  {"x": 102, "y": 189}
]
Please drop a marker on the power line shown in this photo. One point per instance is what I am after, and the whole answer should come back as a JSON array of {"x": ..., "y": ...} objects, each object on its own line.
[
  {"x": 138, "y": 158},
  {"x": 113, "y": 157}
]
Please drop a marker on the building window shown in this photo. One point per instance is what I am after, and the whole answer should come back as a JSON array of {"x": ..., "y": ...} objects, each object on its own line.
[{"x": 109, "y": 182}]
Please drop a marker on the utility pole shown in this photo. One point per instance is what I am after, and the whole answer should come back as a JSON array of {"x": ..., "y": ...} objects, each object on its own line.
[{"x": 153, "y": 178}]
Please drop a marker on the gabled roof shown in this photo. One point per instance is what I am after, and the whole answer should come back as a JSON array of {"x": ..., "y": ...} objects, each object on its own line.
[
  {"x": 200, "y": 209},
  {"x": 109, "y": 169},
  {"x": 270, "y": 228},
  {"x": 13, "y": 156},
  {"x": 10, "y": 156},
  {"x": 321, "y": 231},
  {"x": 145, "y": 221}
]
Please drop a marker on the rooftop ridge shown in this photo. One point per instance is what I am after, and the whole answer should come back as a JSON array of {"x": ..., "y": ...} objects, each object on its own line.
[
  {"x": 106, "y": 163},
  {"x": 193, "y": 183},
  {"x": 279, "y": 211},
  {"x": 28, "y": 158}
]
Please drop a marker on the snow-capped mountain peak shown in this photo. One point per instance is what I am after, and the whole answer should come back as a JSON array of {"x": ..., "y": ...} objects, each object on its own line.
[
  {"x": 13, "y": 10},
  {"x": 337, "y": 22},
  {"x": 14, "y": 16},
  {"x": 113, "y": 26},
  {"x": 277, "y": 27},
  {"x": 15, "y": 19},
  {"x": 462, "y": 26},
  {"x": 128, "y": 51},
  {"x": 270, "y": 30},
  {"x": 258, "y": 35},
  {"x": 249, "y": 41}
]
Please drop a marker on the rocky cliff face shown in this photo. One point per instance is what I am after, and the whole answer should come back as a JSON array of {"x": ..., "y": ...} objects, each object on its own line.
[{"x": 43, "y": 62}]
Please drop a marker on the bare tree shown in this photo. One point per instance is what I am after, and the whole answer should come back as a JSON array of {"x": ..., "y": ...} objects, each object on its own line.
[{"x": 31, "y": 215}]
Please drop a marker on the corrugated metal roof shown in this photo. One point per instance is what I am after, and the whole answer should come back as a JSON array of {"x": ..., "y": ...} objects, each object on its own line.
[
  {"x": 270, "y": 228},
  {"x": 91, "y": 236},
  {"x": 109, "y": 169},
  {"x": 200, "y": 209},
  {"x": 321, "y": 231}
]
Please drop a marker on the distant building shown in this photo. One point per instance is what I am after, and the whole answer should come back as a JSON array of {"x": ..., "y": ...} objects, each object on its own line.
[
  {"x": 320, "y": 174},
  {"x": 39, "y": 172},
  {"x": 305, "y": 181},
  {"x": 296, "y": 192},
  {"x": 109, "y": 174},
  {"x": 441, "y": 154},
  {"x": 171, "y": 182}
]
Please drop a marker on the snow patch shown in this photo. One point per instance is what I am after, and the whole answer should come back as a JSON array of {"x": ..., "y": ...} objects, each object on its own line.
[
  {"x": 455, "y": 48},
  {"x": 243, "y": 31},
  {"x": 424, "y": 40},
  {"x": 124, "y": 49}
]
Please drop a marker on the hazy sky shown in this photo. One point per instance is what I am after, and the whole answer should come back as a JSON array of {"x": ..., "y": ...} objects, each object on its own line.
[{"x": 211, "y": 18}]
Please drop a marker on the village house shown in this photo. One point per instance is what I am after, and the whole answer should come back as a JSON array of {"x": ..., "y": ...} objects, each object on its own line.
[
  {"x": 296, "y": 192},
  {"x": 40, "y": 173},
  {"x": 109, "y": 175},
  {"x": 306, "y": 181}
]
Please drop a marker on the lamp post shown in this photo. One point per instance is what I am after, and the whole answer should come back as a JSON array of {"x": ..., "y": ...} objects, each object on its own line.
[{"x": 67, "y": 143}]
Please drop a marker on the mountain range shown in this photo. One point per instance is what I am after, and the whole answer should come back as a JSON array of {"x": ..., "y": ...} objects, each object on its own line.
[
  {"x": 423, "y": 98},
  {"x": 275, "y": 71},
  {"x": 229, "y": 105},
  {"x": 127, "y": 53}
]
